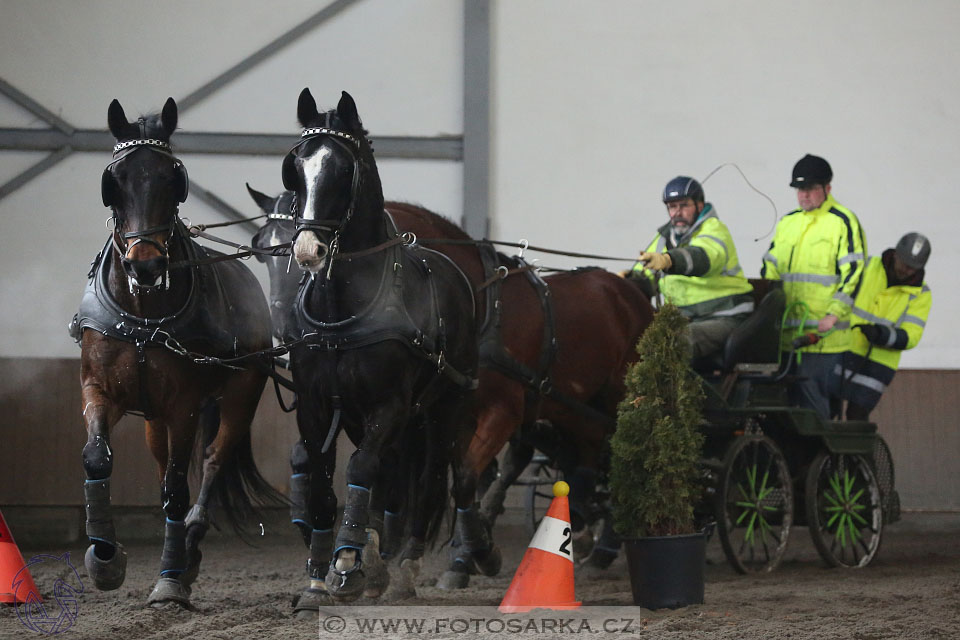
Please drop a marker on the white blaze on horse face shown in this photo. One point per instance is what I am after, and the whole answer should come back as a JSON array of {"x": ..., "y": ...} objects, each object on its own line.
[{"x": 310, "y": 253}]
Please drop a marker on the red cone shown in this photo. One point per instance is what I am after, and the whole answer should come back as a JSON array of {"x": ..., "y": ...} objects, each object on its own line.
[
  {"x": 544, "y": 579},
  {"x": 16, "y": 583}
]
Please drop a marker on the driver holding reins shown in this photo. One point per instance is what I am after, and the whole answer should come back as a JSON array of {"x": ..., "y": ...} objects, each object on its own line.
[{"x": 699, "y": 271}]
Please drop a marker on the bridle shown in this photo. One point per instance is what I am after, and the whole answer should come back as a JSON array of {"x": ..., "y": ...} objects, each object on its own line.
[
  {"x": 351, "y": 145},
  {"x": 121, "y": 239}
]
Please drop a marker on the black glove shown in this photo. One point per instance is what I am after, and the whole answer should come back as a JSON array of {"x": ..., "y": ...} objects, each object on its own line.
[{"x": 874, "y": 333}]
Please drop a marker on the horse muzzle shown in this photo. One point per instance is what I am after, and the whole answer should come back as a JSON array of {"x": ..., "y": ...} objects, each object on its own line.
[
  {"x": 146, "y": 274},
  {"x": 310, "y": 253}
]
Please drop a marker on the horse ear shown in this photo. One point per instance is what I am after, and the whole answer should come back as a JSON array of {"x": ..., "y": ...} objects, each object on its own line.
[
  {"x": 306, "y": 108},
  {"x": 347, "y": 110},
  {"x": 116, "y": 119},
  {"x": 168, "y": 117},
  {"x": 263, "y": 201}
]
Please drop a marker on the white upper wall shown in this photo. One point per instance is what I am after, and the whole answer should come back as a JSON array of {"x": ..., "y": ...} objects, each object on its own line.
[{"x": 596, "y": 105}]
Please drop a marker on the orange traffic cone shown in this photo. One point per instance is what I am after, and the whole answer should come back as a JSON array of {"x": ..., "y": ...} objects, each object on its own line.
[
  {"x": 544, "y": 579},
  {"x": 16, "y": 583}
]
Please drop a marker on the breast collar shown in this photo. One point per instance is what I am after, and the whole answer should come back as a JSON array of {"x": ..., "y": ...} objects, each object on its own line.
[
  {"x": 204, "y": 317},
  {"x": 385, "y": 317}
]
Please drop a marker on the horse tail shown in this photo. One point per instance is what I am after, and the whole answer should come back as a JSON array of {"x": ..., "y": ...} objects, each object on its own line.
[{"x": 239, "y": 488}]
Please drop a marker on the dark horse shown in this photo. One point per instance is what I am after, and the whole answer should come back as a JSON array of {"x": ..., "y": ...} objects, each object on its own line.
[
  {"x": 554, "y": 354},
  {"x": 387, "y": 349},
  {"x": 155, "y": 324}
]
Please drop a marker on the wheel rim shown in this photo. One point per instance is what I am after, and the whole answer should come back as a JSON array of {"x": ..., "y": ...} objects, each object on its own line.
[
  {"x": 846, "y": 521},
  {"x": 756, "y": 505}
]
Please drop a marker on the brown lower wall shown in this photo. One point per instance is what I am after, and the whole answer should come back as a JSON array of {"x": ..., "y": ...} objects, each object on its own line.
[{"x": 42, "y": 435}]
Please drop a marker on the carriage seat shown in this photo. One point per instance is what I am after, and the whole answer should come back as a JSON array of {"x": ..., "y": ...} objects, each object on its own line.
[{"x": 754, "y": 345}]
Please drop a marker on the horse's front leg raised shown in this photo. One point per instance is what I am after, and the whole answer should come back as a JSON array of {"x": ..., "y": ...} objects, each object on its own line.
[{"x": 105, "y": 559}]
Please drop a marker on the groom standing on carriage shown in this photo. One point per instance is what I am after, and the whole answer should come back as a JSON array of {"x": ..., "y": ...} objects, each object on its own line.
[{"x": 694, "y": 263}]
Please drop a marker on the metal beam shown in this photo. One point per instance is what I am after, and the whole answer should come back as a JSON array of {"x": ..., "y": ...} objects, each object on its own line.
[
  {"x": 218, "y": 204},
  {"x": 476, "y": 118},
  {"x": 35, "y": 107},
  {"x": 255, "y": 144},
  {"x": 262, "y": 54},
  {"x": 32, "y": 172}
]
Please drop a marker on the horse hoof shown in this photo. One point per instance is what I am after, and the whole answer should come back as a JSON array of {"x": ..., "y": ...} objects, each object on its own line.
[
  {"x": 582, "y": 543},
  {"x": 452, "y": 579},
  {"x": 378, "y": 578},
  {"x": 107, "y": 575},
  {"x": 169, "y": 590},
  {"x": 489, "y": 561},
  {"x": 310, "y": 600},
  {"x": 345, "y": 586}
]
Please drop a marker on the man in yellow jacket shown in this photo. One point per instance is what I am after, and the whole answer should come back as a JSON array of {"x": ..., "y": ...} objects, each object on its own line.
[
  {"x": 889, "y": 316},
  {"x": 698, "y": 266},
  {"x": 818, "y": 253}
]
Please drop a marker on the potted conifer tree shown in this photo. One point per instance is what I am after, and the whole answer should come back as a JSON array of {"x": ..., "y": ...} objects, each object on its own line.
[{"x": 653, "y": 470}]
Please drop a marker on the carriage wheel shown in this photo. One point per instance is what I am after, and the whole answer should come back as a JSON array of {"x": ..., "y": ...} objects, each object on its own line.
[
  {"x": 754, "y": 504},
  {"x": 538, "y": 493},
  {"x": 844, "y": 511}
]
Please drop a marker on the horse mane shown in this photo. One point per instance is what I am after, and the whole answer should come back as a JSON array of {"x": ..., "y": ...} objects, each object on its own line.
[{"x": 448, "y": 228}]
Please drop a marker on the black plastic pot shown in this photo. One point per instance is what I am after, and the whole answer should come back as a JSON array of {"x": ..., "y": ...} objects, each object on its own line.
[{"x": 667, "y": 572}]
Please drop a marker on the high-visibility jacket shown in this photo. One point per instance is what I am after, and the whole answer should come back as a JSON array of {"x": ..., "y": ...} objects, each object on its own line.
[
  {"x": 819, "y": 256},
  {"x": 706, "y": 279},
  {"x": 903, "y": 309}
]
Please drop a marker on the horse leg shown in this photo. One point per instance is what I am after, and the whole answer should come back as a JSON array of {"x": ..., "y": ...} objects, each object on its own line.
[
  {"x": 197, "y": 521},
  {"x": 300, "y": 490},
  {"x": 515, "y": 459},
  {"x": 375, "y": 566},
  {"x": 496, "y": 424},
  {"x": 175, "y": 498},
  {"x": 346, "y": 579},
  {"x": 316, "y": 472},
  {"x": 105, "y": 559}
]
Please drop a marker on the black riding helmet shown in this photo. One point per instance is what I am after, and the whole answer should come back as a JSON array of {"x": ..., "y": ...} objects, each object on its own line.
[
  {"x": 811, "y": 171},
  {"x": 681, "y": 188},
  {"x": 913, "y": 250}
]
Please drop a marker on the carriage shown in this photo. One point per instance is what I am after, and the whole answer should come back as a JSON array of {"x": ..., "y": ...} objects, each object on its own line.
[{"x": 768, "y": 466}]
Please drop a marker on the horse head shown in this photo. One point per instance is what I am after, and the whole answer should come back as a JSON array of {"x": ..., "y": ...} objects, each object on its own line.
[
  {"x": 278, "y": 230},
  {"x": 333, "y": 174},
  {"x": 144, "y": 186}
]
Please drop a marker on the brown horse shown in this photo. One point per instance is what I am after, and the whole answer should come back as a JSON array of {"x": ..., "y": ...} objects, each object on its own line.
[
  {"x": 157, "y": 324},
  {"x": 597, "y": 318}
]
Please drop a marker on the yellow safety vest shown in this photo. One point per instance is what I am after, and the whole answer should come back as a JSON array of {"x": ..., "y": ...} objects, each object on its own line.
[
  {"x": 723, "y": 290},
  {"x": 819, "y": 256},
  {"x": 904, "y": 307}
]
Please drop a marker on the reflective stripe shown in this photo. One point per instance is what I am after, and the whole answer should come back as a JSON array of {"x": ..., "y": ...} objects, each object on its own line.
[
  {"x": 733, "y": 272},
  {"x": 793, "y": 323},
  {"x": 869, "y": 317},
  {"x": 850, "y": 257},
  {"x": 892, "y": 339},
  {"x": 812, "y": 324},
  {"x": 861, "y": 379},
  {"x": 912, "y": 320},
  {"x": 811, "y": 277},
  {"x": 769, "y": 257},
  {"x": 715, "y": 239},
  {"x": 744, "y": 307},
  {"x": 687, "y": 258},
  {"x": 843, "y": 297}
]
